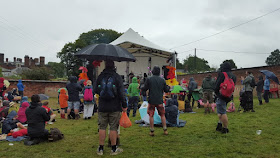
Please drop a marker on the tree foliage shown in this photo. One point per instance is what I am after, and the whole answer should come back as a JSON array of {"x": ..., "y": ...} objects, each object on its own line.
[
  {"x": 36, "y": 74},
  {"x": 179, "y": 65},
  {"x": 195, "y": 64},
  {"x": 57, "y": 69},
  {"x": 273, "y": 58},
  {"x": 66, "y": 55},
  {"x": 232, "y": 63},
  {"x": 1, "y": 75}
]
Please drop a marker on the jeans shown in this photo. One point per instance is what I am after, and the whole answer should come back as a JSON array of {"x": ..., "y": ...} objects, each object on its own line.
[
  {"x": 133, "y": 103},
  {"x": 265, "y": 96}
]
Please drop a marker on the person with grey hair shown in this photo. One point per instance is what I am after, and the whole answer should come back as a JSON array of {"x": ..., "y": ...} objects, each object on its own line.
[
  {"x": 109, "y": 86},
  {"x": 156, "y": 86}
]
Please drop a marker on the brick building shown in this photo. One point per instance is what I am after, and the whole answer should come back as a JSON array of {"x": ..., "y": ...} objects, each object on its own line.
[{"x": 17, "y": 66}]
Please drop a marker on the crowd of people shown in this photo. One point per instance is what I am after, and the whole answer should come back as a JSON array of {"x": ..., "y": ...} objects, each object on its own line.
[{"x": 114, "y": 97}]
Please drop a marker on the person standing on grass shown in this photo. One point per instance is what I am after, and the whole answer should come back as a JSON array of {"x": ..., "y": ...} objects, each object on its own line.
[
  {"x": 156, "y": 86},
  {"x": 88, "y": 100},
  {"x": 63, "y": 97},
  {"x": 249, "y": 84},
  {"x": 73, "y": 89},
  {"x": 208, "y": 86},
  {"x": 20, "y": 87},
  {"x": 192, "y": 86},
  {"x": 260, "y": 89},
  {"x": 222, "y": 101},
  {"x": 133, "y": 93},
  {"x": 266, "y": 88},
  {"x": 109, "y": 86}
]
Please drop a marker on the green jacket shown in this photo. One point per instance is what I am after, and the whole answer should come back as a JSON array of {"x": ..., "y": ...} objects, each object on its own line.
[
  {"x": 133, "y": 89},
  {"x": 208, "y": 84},
  {"x": 247, "y": 81}
]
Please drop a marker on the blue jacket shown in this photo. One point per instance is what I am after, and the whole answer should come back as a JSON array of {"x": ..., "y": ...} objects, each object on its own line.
[
  {"x": 20, "y": 86},
  {"x": 266, "y": 85},
  {"x": 9, "y": 123}
]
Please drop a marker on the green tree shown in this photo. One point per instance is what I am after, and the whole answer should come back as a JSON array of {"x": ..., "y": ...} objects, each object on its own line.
[
  {"x": 36, "y": 74},
  {"x": 273, "y": 58},
  {"x": 57, "y": 69},
  {"x": 195, "y": 64},
  {"x": 66, "y": 55},
  {"x": 232, "y": 63},
  {"x": 179, "y": 65}
]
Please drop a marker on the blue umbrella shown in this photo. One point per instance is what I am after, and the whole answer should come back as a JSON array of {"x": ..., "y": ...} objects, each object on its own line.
[{"x": 270, "y": 75}]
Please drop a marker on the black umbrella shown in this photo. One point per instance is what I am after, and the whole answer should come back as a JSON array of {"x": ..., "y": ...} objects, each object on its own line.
[
  {"x": 270, "y": 75},
  {"x": 105, "y": 52}
]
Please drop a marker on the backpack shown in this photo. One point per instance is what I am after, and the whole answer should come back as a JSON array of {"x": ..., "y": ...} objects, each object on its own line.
[
  {"x": 88, "y": 95},
  {"x": 253, "y": 83},
  {"x": 227, "y": 87},
  {"x": 55, "y": 134},
  {"x": 107, "y": 88}
]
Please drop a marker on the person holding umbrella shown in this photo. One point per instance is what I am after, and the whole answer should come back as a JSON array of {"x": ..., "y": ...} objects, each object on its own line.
[
  {"x": 266, "y": 88},
  {"x": 109, "y": 86}
]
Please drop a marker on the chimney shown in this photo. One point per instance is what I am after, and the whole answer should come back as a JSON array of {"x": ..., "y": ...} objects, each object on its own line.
[
  {"x": 42, "y": 61},
  {"x": 26, "y": 61},
  {"x": 1, "y": 58},
  {"x": 15, "y": 59},
  {"x": 7, "y": 60},
  {"x": 36, "y": 60},
  {"x": 32, "y": 63},
  {"x": 19, "y": 59}
]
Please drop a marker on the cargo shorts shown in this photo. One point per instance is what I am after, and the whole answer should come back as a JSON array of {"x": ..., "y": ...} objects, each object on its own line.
[{"x": 111, "y": 118}]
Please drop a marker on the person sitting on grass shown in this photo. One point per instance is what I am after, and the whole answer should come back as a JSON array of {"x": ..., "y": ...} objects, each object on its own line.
[
  {"x": 11, "y": 123},
  {"x": 21, "y": 113},
  {"x": 49, "y": 110},
  {"x": 36, "y": 118},
  {"x": 13, "y": 107}
]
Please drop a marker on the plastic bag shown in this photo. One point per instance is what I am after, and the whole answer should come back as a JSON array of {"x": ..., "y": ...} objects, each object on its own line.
[{"x": 124, "y": 120}]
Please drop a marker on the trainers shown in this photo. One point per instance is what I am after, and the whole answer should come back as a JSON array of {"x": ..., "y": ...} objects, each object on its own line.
[
  {"x": 99, "y": 152},
  {"x": 152, "y": 134},
  {"x": 165, "y": 132},
  {"x": 118, "y": 151},
  {"x": 225, "y": 130},
  {"x": 219, "y": 127},
  {"x": 50, "y": 123}
]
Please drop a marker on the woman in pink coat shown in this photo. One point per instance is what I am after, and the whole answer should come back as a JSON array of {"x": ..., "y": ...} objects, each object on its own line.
[{"x": 21, "y": 112}]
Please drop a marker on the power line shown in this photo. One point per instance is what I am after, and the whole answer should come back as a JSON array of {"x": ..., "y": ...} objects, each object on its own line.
[
  {"x": 228, "y": 28},
  {"x": 185, "y": 51},
  {"x": 231, "y": 51}
]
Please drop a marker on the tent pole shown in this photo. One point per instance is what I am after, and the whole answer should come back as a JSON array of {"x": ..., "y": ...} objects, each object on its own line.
[{"x": 127, "y": 72}]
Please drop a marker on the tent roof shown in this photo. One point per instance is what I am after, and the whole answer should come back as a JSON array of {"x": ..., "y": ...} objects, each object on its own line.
[{"x": 135, "y": 43}]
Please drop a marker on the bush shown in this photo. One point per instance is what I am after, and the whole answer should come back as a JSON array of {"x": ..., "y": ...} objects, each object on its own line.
[{"x": 36, "y": 74}]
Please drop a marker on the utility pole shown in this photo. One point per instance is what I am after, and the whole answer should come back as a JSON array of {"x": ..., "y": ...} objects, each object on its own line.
[{"x": 194, "y": 58}]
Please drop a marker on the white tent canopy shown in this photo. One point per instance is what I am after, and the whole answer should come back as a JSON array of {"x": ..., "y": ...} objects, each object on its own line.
[{"x": 135, "y": 43}]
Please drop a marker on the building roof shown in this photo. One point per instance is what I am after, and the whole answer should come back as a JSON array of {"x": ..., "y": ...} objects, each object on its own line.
[{"x": 135, "y": 43}]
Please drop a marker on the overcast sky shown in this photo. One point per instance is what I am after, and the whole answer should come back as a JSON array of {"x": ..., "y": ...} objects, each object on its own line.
[{"x": 41, "y": 28}]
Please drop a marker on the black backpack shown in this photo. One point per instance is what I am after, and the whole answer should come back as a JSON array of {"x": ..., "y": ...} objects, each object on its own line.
[
  {"x": 253, "y": 82},
  {"x": 107, "y": 88},
  {"x": 55, "y": 134}
]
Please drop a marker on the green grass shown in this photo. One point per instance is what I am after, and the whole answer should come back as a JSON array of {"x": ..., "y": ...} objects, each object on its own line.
[{"x": 197, "y": 139}]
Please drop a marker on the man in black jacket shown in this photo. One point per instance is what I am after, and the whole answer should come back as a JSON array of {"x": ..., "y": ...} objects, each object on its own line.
[
  {"x": 36, "y": 117},
  {"x": 109, "y": 86},
  {"x": 73, "y": 89},
  {"x": 156, "y": 86},
  {"x": 222, "y": 101}
]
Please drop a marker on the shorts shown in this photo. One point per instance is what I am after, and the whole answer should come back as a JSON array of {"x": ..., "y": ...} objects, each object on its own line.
[
  {"x": 111, "y": 118},
  {"x": 151, "y": 109},
  {"x": 221, "y": 106},
  {"x": 207, "y": 96},
  {"x": 65, "y": 109},
  {"x": 74, "y": 105}
]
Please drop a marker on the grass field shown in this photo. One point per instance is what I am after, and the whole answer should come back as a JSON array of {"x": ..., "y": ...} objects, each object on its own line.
[{"x": 197, "y": 139}]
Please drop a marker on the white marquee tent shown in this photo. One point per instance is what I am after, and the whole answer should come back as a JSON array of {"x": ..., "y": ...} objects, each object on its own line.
[{"x": 147, "y": 54}]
